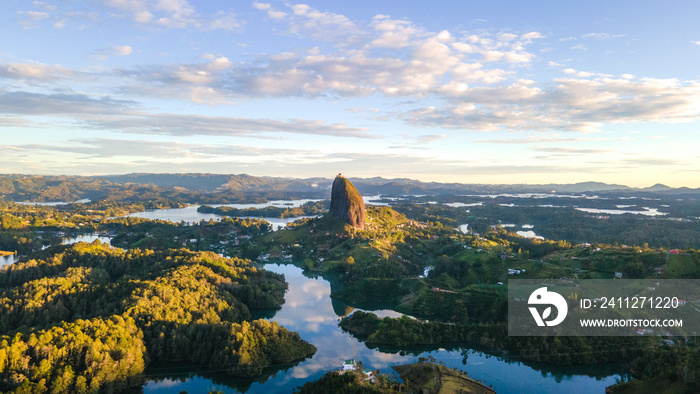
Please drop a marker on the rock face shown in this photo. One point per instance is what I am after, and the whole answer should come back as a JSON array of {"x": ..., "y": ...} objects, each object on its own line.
[{"x": 346, "y": 203}]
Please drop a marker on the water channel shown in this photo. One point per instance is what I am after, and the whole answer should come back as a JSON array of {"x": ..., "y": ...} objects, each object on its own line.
[{"x": 309, "y": 310}]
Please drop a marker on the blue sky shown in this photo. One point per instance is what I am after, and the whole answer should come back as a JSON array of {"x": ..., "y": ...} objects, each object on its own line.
[{"x": 469, "y": 91}]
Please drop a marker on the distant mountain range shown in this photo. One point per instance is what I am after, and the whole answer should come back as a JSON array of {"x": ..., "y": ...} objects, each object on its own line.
[
  {"x": 372, "y": 186},
  {"x": 221, "y": 188}
]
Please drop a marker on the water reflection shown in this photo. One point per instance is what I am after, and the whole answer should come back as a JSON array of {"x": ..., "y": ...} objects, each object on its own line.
[
  {"x": 309, "y": 310},
  {"x": 7, "y": 260},
  {"x": 89, "y": 238}
]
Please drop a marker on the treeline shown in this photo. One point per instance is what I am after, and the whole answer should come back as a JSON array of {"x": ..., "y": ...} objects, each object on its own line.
[
  {"x": 30, "y": 228},
  {"x": 406, "y": 331},
  {"x": 182, "y": 305},
  {"x": 647, "y": 358},
  {"x": 159, "y": 234},
  {"x": 311, "y": 208},
  {"x": 80, "y": 216}
]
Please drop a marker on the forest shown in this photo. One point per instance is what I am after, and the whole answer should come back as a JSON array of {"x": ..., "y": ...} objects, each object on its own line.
[{"x": 88, "y": 316}]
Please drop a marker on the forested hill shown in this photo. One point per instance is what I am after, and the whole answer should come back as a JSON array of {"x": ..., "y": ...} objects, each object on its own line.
[
  {"x": 89, "y": 318},
  {"x": 221, "y": 182},
  {"x": 228, "y": 188}
]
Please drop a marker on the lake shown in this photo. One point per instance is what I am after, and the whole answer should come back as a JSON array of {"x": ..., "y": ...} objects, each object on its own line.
[
  {"x": 309, "y": 310},
  {"x": 646, "y": 211},
  {"x": 190, "y": 215},
  {"x": 7, "y": 260},
  {"x": 89, "y": 238}
]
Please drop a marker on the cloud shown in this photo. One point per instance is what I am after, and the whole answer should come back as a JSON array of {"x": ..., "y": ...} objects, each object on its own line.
[
  {"x": 426, "y": 138},
  {"x": 122, "y": 50},
  {"x": 271, "y": 12},
  {"x": 35, "y": 71},
  {"x": 602, "y": 36},
  {"x": 37, "y": 16},
  {"x": 323, "y": 26},
  {"x": 567, "y": 151},
  {"x": 173, "y": 14},
  {"x": 570, "y": 104},
  {"x": 123, "y": 116},
  {"x": 695, "y": 42},
  {"x": 62, "y": 104},
  {"x": 41, "y": 4},
  {"x": 224, "y": 20},
  {"x": 540, "y": 140},
  {"x": 644, "y": 162},
  {"x": 32, "y": 19},
  {"x": 393, "y": 33},
  {"x": 107, "y": 148},
  {"x": 386, "y": 56},
  {"x": 579, "y": 47},
  {"x": 467, "y": 82},
  {"x": 117, "y": 50},
  {"x": 189, "y": 125}
]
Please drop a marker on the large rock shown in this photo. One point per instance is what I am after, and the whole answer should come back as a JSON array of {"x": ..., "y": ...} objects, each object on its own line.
[{"x": 346, "y": 203}]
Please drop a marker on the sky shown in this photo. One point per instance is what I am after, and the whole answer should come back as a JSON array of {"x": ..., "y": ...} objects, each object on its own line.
[{"x": 491, "y": 92}]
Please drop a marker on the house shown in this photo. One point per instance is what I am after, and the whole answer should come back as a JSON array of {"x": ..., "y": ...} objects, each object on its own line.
[{"x": 349, "y": 365}]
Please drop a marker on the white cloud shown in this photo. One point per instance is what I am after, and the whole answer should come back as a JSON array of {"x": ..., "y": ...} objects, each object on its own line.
[
  {"x": 173, "y": 14},
  {"x": 143, "y": 16},
  {"x": 426, "y": 138},
  {"x": 35, "y": 71},
  {"x": 695, "y": 42},
  {"x": 602, "y": 36},
  {"x": 188, "y": 125},
  {"x": 41, "y": 4},
  {"x": 37, "y": 16},
  {"x": 122, "y": 50},
  {"x": 393, "y": 33},
  {"x": 271, "y": 12},
  {"x": 531, "y": 36},
  {"x": 220, "y": 63},
  {"x": 323, "y": 26},
  {"x": 579, "y": 47},
  {"x": 116, "y": 50},
  {"x": 573, "y": 104}
]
